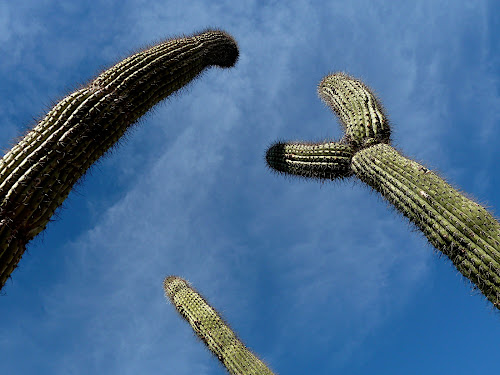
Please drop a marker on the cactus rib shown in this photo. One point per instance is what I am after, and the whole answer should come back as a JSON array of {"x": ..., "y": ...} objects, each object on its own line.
[
  {"x": 212, "y": 330},
  {"x": 37, "y": 174},
  {"x": 457, "y": 226}
]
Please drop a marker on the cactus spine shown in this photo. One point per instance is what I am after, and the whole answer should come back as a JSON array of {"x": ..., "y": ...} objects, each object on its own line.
[
  {"x": 37, "y": 174},
  {"x": 212, "y": 330},
  {"x": 460, "y": 228}
]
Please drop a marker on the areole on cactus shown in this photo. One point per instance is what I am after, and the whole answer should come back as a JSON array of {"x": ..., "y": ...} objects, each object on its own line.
[
  {"x": 457, "y": 226},
  {"x": 37, "y": 174}
]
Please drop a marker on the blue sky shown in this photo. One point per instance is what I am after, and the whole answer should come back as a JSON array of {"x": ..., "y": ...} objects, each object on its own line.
[{"x": 320, "y": 278}]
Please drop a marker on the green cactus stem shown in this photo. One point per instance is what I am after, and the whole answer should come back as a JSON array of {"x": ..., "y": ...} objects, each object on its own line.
[
  {"x": 328, "y": 160},
  {"x": 455, "y": 225},
  {"x": 212, "y": 330},
  {"x": 37, "y": 174}
]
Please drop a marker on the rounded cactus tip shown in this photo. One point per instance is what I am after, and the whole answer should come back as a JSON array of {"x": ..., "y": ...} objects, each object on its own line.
[
  {"x": 226, "y": 53},
  {"x": 275, "y": 157},
  {"x": 332, "y": 77},
  {"x": 173, "y": 283}
]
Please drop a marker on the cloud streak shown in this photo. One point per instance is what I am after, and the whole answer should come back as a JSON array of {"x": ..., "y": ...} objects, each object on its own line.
[{"x": 292, "y": 264}]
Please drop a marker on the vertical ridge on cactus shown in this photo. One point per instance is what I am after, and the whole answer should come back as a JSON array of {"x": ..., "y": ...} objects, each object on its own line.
[
  {"x": 37, "y": 174},
  {"x": 212, "y": 330},
  {"x": 457, "y": 226}
]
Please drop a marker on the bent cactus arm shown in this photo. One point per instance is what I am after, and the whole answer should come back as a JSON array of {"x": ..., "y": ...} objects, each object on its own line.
[
  {"x": 328, "y": 160},
  {"x": 37, "y": 174},
  {"x": 457, "y": 226},
  {"x": 358, "y": 109},
  {"x": 212, "y": 330}
]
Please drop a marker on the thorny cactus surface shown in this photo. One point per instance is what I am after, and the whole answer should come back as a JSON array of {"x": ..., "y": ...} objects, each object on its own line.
[
  {"x": 37, "y": 174},
  {"x": 212, "y": 330},
  {"x": 457, "y": 226}
]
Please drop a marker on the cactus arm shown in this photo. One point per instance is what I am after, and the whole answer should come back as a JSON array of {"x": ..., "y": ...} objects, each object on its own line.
[
  {"x": 358, "y": 109},
  {"x": 454, "y": 224},
  {"x": 457, "y": 226},
  {"x": 37, "y": 174},
  {"x": 212, "y": 330},
  {"x": 329, "y": 160}
]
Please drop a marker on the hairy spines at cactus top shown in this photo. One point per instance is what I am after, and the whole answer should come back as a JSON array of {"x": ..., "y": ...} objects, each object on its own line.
[
  {"x": 357, "y": 107},
  {"x": 38, "y": 173},
  {"x": 212, "y": 330},
  {"x": 330, "y": 160},
  {"x": 455, "y": 225}
]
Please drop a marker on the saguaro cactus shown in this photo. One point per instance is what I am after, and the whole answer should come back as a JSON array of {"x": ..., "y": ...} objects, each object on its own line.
[
  {"x": 37, "y": 174},
  {"x": 463, "y": 230},
  {"x": 212, "y": 330}
]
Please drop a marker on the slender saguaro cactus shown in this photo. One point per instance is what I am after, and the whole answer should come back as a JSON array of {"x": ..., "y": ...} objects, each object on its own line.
[
  {"x": 37, "y": 174},
  {"x": 212, "y": 330},
  {"x": 457, "y": 226}
]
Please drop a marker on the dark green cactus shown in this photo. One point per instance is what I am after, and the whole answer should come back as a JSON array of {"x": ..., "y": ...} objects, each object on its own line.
[
  {"x": 37, "y": 174},
  {"x": 212, "y": 330},
  {"x": 463, "y": 230}
]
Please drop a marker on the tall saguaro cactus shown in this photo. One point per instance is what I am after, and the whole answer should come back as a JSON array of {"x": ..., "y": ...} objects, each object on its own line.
[
  {"x": 212, "y": 330},
  {"x": 37, "y": 174},
  {"x": 457, "y": 226}
]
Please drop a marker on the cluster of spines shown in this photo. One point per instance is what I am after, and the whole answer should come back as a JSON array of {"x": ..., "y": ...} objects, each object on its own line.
[
  {"x": 459, "y": 227},
  {"x": 215, "y": 333},
  {"x": 37, "y": 174}
]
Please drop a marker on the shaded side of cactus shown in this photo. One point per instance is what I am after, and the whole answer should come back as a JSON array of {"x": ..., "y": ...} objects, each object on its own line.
[
  {"x": 457, "y": 226},
  {"x": 212, "y": 330},
  {"x": 37, "y": 174}
]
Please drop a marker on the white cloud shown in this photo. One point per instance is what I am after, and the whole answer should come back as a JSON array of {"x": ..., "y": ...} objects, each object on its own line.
[{"x": 200, "y": 203}]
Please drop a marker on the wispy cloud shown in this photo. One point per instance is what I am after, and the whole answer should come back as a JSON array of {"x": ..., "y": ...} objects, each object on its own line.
[{"x": 292, "y": 264}]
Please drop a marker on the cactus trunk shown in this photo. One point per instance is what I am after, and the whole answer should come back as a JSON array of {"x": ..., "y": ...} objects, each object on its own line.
[
  {"x": 454, "y": 224},
  {"x": 212, "y": 330},
  {"x": 37, "y": 174},
  {"x": 463, "y": 230}
]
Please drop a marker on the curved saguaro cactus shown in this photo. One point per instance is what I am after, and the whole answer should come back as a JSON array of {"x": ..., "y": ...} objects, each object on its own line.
[
  {"x": 457, "y": 226},
  {"x": 37, "y": 174},
  {"x": 212, "y": 330}
]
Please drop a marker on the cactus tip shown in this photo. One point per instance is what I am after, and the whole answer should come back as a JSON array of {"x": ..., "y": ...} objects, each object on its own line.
[
  {"x": 227, "y": 53},
  {"x": 275, "y": 159},
  {"x": 173, "y": 283}
]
